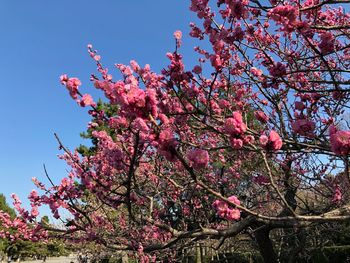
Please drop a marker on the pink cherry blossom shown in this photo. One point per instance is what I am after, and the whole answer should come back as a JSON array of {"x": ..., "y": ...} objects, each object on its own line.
[
  {"x": 225, "y": 211},
  {"x": 178, "y": 34},
  {"x": 304, "y": 127},
  {"x": 275, "y": 141},
  {"x": 197, "y": 70},
  {"x": 278, "y": 70},
  {"x": 168, "y": 146},
  {"x": 233, "y": 214},
  {"x": 235, "y": 125},
  {"x": 234, "y": 199},
  {"x": 72, "y": 85},
  {"x": 263, "y": 140},
  {"x": 299, "y": 105},
  {"x": 327, "y": 42},
  {"x": 340, "y": 142},
  {"x": 261, "y": 116},
  {"x": 199, "y": 158},
  {"x": 86, "y": 100},
  {"x": 337, "y": 197},
  {"x": 236, "y": 143},
  {"x": 256, "y": 72}
]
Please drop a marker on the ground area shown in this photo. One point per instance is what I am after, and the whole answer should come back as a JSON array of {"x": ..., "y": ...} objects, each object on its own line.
[{"x": 51, "y": 260}]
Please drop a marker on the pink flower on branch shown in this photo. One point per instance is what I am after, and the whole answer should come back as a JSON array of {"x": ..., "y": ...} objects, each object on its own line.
[
  {"x": 275, "y": 141},
  {"x": 256, "y": 72},
  {"x": 261, "y": 116},
  {"x": 337, "y": 197},
  {"x": 326, "y": 44},
  {"x": 72, "y": 85},
  {"x": 278, "y": 70},
  {"x": 304, "y": 127},
  {"x": 86, "y": 100},
  {"x": 166, "y": 145},
  {"x": 199, "y": 158},
  {"x": 235, "y": 125},
  {"x": 224, "y": 210},
  {"x": 285, "y": 15},
  {"x": 178, "y": 35},
  {"x": 272, "y": 142},
  {"x": 340, "y": 141}
]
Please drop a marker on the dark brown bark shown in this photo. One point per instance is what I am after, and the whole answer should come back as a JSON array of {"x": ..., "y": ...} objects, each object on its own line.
[
  {"x": 265, "y": 245},
  {"x": 300, "y": 239}
]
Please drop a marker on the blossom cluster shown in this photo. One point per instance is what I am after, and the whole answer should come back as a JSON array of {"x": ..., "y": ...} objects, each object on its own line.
[
  {"x": 248, "y": 120},
  {"x": 224, "y": 210}
]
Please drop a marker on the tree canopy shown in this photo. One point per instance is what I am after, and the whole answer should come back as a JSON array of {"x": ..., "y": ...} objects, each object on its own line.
[{"x": 252, "y": 140}]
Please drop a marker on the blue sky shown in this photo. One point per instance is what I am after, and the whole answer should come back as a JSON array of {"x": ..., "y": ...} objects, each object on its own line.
[{"x": 40, "y": 40}]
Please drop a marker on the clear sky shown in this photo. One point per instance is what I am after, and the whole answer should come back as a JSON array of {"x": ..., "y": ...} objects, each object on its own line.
[{"x": 39, "y": 41}]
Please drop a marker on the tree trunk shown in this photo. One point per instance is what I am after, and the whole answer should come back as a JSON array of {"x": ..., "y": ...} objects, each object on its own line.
[
  {"x": 300, "y": 240},
  {"x": 198, "y": 254},
  {"x": 265, "y": 245}
]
